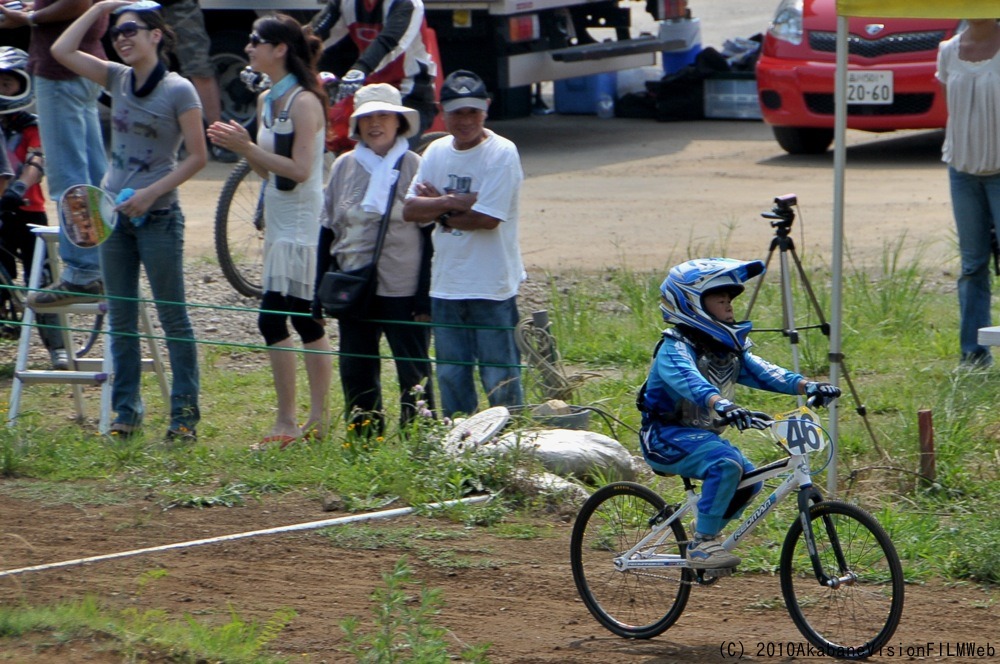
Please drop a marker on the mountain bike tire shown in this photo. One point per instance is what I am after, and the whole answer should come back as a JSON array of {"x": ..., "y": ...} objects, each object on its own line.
[
  {"x": 854, "y": 620},
  {"x": 239, "y": 230},
  {"x": 637, "y": 604}
]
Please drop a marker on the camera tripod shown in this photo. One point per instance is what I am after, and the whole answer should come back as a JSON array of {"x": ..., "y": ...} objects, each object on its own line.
[{"x": 782, "y": 215}]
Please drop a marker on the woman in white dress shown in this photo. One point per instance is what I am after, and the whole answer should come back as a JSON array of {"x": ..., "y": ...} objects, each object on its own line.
[{"x": 292, "y": 163}]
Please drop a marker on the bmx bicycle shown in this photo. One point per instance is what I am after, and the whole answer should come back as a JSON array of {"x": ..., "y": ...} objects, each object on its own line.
[
  {"x": 841, "y": 578},
  {"x": 239, "y": 214}
]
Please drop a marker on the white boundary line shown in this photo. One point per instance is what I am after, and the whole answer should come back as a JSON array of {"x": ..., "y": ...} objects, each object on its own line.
[{"x": 311, "y": 525}]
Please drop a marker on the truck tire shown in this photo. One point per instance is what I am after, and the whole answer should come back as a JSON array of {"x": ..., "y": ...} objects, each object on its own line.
[{"x": 228, "y": 58}]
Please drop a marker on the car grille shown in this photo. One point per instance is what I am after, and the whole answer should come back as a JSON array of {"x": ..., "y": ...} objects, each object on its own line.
[
  {"x": 910, "y": 42},
  {"x": 903, "y": 104}
]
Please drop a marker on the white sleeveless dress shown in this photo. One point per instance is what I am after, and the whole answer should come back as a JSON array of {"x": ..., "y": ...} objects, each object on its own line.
[{"x": 292, "y": 226}]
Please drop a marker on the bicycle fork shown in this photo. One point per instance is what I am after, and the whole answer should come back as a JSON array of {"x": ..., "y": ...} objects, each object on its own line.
[{"x": 809, "y": 496}]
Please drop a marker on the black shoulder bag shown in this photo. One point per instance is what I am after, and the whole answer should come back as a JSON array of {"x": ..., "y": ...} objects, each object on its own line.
[{"x": 346, "y": 293}]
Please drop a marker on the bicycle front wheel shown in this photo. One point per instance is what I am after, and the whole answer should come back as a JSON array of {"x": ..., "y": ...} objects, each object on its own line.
[
  {"x": 856, "y": 613},
  {"x": 636, "y": 603},
  {"x": 239, "y": 230}
]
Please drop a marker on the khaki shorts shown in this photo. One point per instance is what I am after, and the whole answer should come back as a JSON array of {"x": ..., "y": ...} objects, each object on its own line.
[{"x": 193, "y": 43}]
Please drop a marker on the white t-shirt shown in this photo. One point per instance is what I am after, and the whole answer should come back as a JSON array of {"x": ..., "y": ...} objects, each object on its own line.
[
  {"x": 479, "y": 264},
  {"x": 972, "y": 136}
]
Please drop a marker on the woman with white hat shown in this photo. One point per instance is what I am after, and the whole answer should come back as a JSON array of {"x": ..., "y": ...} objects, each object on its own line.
[{"x": 357, "y": 197}]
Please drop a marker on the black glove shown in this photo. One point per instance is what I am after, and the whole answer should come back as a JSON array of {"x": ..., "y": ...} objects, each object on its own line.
[
  {"x": 733, "y": 415},
  {"x": 821, "y": 394},
  {"x": 13, "y": 198}
]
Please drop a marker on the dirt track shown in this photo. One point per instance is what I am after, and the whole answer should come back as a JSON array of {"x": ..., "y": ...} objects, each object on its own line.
[
  {"x": 516, "y": 594},
  {"x": 604, "y": 193}
]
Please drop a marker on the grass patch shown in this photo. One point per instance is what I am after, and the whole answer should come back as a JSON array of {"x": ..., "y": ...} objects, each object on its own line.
[{"x": 134, "y": 634}]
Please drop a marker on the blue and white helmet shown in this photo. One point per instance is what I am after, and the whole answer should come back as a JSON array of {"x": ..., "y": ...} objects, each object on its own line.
[
  {"x": 14, "y": 61},
  {"x": 682, "y": 293}
]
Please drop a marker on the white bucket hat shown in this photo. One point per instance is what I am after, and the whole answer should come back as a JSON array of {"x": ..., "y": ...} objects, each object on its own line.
[{"x": 379, "y": 98}]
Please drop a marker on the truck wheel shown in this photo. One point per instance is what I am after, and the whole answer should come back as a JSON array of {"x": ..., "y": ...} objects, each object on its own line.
[
  {"x": 803, "y": 140},
  {"x": 228, "y": 58}
]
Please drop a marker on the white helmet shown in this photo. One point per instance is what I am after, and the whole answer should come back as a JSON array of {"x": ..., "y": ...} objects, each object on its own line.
[
  {"x": 15, "y": 61},
  {"x": 682, "y": 293}
]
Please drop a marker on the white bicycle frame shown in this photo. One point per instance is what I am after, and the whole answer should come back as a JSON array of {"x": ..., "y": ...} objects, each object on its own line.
[{"x": 808, "y": 437}]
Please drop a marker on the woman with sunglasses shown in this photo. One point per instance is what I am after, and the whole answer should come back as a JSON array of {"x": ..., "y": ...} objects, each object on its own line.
[
  {"x": 291, "y": 121},
  {"x": 152, "y": 112}
]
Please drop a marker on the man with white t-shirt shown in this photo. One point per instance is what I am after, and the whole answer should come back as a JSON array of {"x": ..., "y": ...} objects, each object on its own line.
[{"x": 470, "y": 184}]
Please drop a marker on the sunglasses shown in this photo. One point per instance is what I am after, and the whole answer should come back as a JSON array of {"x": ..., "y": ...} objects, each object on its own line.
[
  {"x": 128, "y": 29},
  {"x": 256, "y": 40}
]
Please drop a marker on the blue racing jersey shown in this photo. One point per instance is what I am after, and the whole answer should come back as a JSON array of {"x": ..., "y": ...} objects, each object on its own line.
[{"x": 685, "y": 375}]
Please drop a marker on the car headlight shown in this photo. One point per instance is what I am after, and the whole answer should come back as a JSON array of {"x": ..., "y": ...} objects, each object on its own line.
[{"x": 787, "y": 23}]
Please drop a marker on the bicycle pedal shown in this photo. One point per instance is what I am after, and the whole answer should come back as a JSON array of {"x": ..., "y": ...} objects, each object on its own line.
[{"x": 718, "y": 573}]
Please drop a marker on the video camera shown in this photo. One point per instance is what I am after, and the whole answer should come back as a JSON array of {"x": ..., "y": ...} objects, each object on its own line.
[{"x": 782, "y": 215}]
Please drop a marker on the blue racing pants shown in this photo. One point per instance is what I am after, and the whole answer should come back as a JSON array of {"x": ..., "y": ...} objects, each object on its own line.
[{"x": 702, "y": 455}]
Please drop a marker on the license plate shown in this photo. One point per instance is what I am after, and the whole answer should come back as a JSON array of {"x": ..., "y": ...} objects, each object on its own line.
[{"x": 869, "y": 87}]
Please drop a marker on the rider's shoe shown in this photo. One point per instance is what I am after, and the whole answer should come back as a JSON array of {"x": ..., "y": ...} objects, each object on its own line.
[
  {"x": 707, "y": 553},
  {"x": 65, "y": 293}
]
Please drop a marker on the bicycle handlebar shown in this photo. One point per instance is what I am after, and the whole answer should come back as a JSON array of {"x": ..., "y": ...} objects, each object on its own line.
[{"x": 762, "y": 420}]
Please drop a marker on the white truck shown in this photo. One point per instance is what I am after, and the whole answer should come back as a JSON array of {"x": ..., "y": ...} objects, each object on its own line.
[{"x": 510, "y": 43}]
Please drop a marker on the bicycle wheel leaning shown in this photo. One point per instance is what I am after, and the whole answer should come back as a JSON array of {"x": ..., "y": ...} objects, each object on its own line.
[
  {"x": 856, "y": 618},
  {"x": 239, "y": 230},
  {"x": 11, "y": 306},
  {"x": 634, "y": 604}
]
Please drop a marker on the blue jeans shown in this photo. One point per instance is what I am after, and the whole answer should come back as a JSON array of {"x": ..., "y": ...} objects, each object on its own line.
[
  {"x": 975, "y": 200},
  {"x": 475, "y": 340},
  {"x": 158, "y": 246},
  {"x": 703, "y": 455},
  {"x": 74, "y": 154}
]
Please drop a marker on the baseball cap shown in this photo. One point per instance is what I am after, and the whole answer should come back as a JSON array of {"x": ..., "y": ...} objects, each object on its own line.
[{"x": 464, "y": 89}]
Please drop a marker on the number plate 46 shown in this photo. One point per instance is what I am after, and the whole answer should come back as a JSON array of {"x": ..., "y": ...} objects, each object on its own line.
[{"x": 800, "y": 431}]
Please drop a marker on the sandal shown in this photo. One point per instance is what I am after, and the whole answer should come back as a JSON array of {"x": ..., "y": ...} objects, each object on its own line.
[
  {"x": 280, "y": 440},
  {"x": 312, "y": 432}
]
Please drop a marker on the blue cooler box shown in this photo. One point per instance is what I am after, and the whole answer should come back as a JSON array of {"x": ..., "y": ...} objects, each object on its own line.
[
  {"x": 579, "y": 96},
  {"x": 687, "y": 31}
]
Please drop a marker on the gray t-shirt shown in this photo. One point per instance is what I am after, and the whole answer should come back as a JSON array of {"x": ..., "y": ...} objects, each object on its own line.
[{"x": 145, "y": 131}]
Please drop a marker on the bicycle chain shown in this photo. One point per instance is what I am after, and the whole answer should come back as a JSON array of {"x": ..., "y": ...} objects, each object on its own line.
[{"x": 718, "y": 574}]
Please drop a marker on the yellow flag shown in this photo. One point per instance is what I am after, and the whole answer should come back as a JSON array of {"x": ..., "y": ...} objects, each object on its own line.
[{"x": 920, "y": 8}]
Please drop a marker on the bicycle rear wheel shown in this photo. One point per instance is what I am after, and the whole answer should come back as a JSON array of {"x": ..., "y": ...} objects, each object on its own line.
[
  {"x": 637, "y": 604},
  {"x": 239, "y": 230},
  {"x": 855, "y": 619}
]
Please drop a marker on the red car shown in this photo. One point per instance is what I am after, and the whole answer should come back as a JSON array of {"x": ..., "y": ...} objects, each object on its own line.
[{"x": 891, "y": 82}]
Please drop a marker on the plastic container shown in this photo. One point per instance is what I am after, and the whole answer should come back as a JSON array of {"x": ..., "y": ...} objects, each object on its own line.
[
  {"x": 686, "y": 30},
  {"x": 580, "y": 96},
  {"x": 634, "y": 80},
  {"x": 578, "y": 418},
  {"x": 732, "y": 97},
  {"x": 606, "y": 107}
]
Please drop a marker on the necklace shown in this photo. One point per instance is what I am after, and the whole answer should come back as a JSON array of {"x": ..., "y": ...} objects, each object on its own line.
[{"x": 277, "y": 92}]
